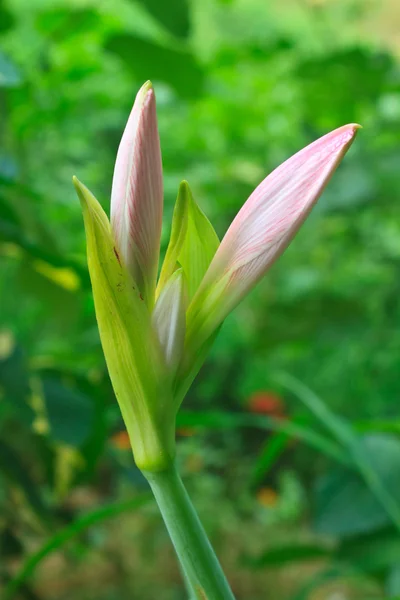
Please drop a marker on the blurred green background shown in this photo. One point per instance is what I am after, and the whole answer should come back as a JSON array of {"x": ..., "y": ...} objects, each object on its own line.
[{"x": 289, "y": 439}]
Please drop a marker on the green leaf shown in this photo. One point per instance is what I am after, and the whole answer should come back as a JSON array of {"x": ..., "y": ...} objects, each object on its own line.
[
  {"x": 393, "y": 581},
  {"x": 227, "y": 420},
  {"x": 271, "y": 451},
  {"x": 12, "y": 467},
  {"x": 372, "y": 553},
  {"x": 337, "y": 426},
  {"x": 66, "y": 22},
  {"x": 344, "y": 506},
  {"x": 193, "y": 241},
  {"x": 174, "y": 15},
  {"x": 70, "y": 413},
  {"x": 55, "y": 290},
  {"x": 14, "y": 378},
  {"x": 151, "y": 60},
  {"x": 7, "y": 20},
  {"x": 283, "y": 555},
  {"x": 347, "y": 503},
  {"x": 365, "y": 461}
]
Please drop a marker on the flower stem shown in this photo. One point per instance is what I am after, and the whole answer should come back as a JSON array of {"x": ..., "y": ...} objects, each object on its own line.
[{"x": 201, "y": 568}]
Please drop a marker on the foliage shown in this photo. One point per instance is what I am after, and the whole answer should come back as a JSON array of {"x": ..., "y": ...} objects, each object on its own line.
[{"x": 241, "y": 84}]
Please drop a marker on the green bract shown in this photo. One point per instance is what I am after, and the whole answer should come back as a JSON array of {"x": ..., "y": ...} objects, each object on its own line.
[
  {"x": 193, "y": 242},
  {"x": 132, "y": 354}
]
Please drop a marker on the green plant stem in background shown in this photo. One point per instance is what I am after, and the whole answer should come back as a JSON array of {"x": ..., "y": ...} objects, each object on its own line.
[{"x": 200, "y": 565}]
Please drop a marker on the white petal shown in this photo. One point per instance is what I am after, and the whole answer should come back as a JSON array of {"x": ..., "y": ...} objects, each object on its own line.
[{"x": 169, "y": 319}]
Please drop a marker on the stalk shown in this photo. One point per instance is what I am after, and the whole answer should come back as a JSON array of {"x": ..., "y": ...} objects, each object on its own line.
[{"x": 201, "y": 568}]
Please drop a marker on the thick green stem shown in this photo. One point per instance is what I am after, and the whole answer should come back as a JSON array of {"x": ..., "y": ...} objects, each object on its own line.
[{"x": 199, "y": 563}]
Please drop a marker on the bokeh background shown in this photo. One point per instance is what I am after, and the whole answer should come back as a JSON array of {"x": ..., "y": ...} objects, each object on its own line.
[{"x": 289, "y": 439}]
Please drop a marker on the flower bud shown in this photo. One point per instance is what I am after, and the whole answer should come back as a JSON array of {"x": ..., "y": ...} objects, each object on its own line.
[{"x": 137, "y": 194}]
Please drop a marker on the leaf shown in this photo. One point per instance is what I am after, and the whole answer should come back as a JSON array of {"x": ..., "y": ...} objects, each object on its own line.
[
  {"x": 283, "y": 555},
  {"x": 365, "y": 461},
  {"x": 7, "y": 20},
  {"x": 372, "y": 553},
  {"x": 393, "y": 581},
  {"x": 377, "y": 458},
  {"x": 151, "y": 60},
  {"x": 54, "y": 289},
  {"x": 367, "y": 553},
  {"x": 227, "y": 420},
  {"x": 346, "y": 505},
  {"x": 70, "y": 413},
  {"x": 21, "y": 225},
  {"x": 174, "y": 15},
  {"x": 62, "y": 23},
  {"x": 12, "y": 467},
  {"x": 356, "y": 73},
  {"x": 14, "y": 378},
  {"x": 93, "y": 447},
  {"x": 337, "y": 426},
  {"x": 271, "y": 451}
]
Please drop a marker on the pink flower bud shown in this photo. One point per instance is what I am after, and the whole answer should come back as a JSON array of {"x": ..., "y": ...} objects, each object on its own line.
[
  {"x": 259, "y": 234},
  {"x": 270, "y": 218},
  {"x": 137, "y": 194}
]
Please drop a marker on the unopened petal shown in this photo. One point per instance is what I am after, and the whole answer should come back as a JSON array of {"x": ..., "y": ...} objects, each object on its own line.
[
  {"x": 137, "y": 194},
  {"x": 169, "y": 319},
  {"x": 269, "y": 219}
]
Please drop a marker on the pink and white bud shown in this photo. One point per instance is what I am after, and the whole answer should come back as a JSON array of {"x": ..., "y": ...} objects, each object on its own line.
[
  {"x": 270, "y": 218},
  {"x": 259, "y": 234},
  {"x": 137, "y": 194}
]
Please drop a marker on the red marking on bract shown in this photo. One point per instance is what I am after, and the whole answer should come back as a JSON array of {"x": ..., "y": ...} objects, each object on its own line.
[
  {"x": 117, "y": 255},
  {"x": 140, "y": 296}
]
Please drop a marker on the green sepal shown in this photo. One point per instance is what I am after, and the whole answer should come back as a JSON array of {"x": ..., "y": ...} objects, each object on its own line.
[
  {"x": 193, "y": 242},
  {"x": 135, "y": 367},
  {"x": 201, "y": 331}
]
